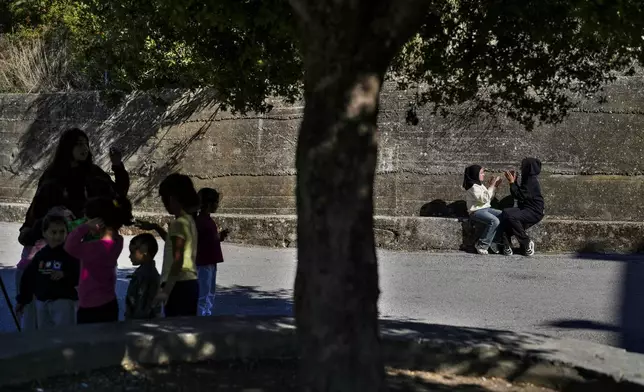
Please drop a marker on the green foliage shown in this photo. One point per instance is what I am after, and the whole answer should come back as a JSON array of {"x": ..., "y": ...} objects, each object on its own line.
[
  {"x": 246, "y": 50},
  {"x": 528, "y": 59}
]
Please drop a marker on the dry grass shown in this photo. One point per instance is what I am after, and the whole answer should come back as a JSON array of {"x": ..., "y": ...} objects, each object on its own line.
[{"x": 36, "y": 64}]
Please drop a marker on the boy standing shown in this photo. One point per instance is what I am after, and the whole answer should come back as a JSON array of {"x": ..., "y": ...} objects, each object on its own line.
[
  {"x": 51, "y": 277},
  {"x": 139, "y": 302}
]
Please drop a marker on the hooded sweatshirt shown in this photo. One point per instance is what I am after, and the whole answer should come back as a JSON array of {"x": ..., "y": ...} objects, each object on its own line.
[
  {"x": 528, "y": 194},
  {"x": 478, "y": 196}
]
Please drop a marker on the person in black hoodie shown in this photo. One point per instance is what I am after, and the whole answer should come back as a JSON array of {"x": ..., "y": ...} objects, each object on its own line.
[
  {"x": 530, "y": 206},
  {"x": 52, "y": 277},
  {"x": 71, "y": 180}
]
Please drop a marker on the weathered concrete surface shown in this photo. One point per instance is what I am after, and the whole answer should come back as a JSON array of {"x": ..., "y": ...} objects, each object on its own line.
[
  {"x": 572, "y": 365},
  {"x": 592, "y": 165},
  {"x": 414, "y": 233}
]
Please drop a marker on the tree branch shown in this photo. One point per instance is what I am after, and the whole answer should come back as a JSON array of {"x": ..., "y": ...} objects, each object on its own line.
[
  {"x": 301, "y": 10},
  {"x": 399, "y": 20}
]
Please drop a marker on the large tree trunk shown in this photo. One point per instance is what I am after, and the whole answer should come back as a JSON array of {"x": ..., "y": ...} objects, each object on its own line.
[
  {"x": 347, "y": 47},
  {"x": 336, "y": 288}
]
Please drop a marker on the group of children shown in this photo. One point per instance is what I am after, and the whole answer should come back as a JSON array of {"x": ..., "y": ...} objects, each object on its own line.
[
  {"x": 501, "y": 226},
  {"x": 69, "y": 276}
]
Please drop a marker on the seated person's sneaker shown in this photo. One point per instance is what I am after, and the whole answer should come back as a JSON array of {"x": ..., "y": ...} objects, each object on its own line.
[
  {"x": 529, "y": 250},
  {"x": 481, "y": 249},
  {"x": 507, "y": 247}
]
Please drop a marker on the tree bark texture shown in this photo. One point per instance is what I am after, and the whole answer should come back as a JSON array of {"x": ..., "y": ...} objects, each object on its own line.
[
  {"x": 347, "y": 48},
  {"x": 336, "y": 288}
]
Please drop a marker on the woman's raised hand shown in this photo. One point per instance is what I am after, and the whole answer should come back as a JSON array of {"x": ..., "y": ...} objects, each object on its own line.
[{"x": 116, "y": 156}]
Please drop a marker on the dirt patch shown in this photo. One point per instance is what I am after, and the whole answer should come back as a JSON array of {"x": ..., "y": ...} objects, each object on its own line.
[{"x": 261, "y": 376}]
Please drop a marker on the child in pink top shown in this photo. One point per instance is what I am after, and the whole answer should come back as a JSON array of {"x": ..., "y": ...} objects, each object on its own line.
[{"x": 97, "y": 286}]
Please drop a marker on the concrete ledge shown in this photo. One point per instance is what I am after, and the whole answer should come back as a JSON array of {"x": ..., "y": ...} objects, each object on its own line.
[
  {"x": 410, "y": 233},
  {"x": 562, "y": 364}
]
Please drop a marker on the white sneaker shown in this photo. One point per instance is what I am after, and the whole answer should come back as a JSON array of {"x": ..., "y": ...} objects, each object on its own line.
[
  {"x": 494, "y": 248},
  {"x": 507, "y": 248},
  {"x": 529, "y": 250},
  {"x": 481, "y": 249}
]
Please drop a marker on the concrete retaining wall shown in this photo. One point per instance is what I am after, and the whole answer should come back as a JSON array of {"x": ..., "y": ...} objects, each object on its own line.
[
  {"x": 410, "y": 233},
  {"x": 592, "y": 165}
]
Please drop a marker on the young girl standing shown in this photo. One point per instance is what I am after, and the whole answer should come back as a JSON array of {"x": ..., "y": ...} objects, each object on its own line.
[
  {"x": 97, "y": 286},
  {"x": 179, "y": 286},
  {"x": 478, "y": 199},
  {"x": 209, "y": 252}
]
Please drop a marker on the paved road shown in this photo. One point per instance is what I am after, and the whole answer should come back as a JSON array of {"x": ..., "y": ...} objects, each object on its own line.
[{"x": 584, "y": 296}]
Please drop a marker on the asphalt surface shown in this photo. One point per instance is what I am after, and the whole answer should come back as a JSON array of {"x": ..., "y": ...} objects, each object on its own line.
[{"x": 558, "y": 295}]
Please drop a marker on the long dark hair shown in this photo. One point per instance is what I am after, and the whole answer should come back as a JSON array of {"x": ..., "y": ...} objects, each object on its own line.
[
  {"x": 62, "y": 159},
  {"x": 181, "y": 188},
  {"x": 471, "y": 176}
]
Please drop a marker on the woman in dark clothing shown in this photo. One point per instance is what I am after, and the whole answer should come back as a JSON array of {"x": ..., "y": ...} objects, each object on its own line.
[
  {"x": 530, "y": 204},
  {"x": 72, "y": 179}
]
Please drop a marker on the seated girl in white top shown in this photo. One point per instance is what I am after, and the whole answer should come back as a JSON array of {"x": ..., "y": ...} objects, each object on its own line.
[{"x": 478, "y": 199}]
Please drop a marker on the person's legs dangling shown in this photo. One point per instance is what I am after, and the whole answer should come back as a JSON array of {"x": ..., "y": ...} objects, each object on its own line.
[{"x": 489, "y": 218}]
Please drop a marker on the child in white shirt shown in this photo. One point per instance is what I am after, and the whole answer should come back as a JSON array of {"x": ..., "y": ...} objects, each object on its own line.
[{"x": 478, "y": 198}]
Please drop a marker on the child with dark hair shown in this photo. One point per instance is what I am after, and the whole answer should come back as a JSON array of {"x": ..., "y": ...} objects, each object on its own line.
[
  {"x": 34, "y": 237},
  {"x": 145, "y": 282},
  {"x": 97, "y": 286},
  {"x": 530, "y": 206},
  {"x": 209, "y": 252},
  {"x": 51, "y": 277},
  {"x": 478, "y": 198},
  {"x": 179, "y": 285}
]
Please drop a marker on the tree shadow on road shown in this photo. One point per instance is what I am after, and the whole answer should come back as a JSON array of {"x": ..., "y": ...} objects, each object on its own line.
[
  {"x": 249, "y": 300},
  {"x": 631, "y": 310}
]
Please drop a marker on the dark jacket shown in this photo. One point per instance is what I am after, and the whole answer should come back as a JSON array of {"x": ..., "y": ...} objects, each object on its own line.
[
  {"x": 143, "y": 287},
  {"x": 71, "y": 189},
  {"x": 36, "y": 281},
  {"x": 528, "y": 193}
]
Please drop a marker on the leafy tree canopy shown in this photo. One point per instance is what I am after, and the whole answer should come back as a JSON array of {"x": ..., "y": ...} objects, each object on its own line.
[{"x": 525, "y": 58}]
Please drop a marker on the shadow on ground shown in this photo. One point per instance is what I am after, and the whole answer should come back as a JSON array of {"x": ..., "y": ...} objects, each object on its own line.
[
  {"x": 465, "y": 351},
  {"x": 229, "y": 301},
  {"x": 631, "y": 311},
  {"x": 259, "y": 352},
  {"x": 249, "y": 300}
]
